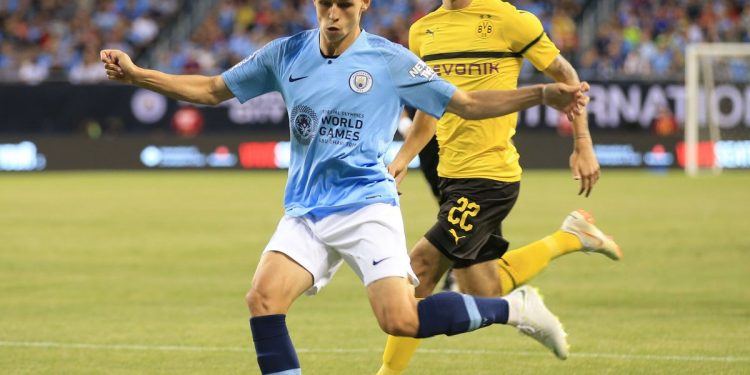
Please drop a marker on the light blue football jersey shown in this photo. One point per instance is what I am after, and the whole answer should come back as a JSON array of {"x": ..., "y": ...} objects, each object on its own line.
[{"x": 343, "y": 113}]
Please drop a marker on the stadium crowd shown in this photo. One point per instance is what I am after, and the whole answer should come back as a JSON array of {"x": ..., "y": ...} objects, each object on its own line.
[
  {"x": 239, "y": 27},
  {"x": 60, "y": 39},
  {"x": 647, "y": 38}
]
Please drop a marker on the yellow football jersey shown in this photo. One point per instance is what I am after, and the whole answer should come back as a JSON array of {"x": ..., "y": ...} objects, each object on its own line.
[{"x": 480, "y": 47}]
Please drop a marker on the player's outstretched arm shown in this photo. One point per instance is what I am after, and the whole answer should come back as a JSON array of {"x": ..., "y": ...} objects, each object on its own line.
[
  {"x": 421, "y": 131},
  {"x": 583, "y": 162},
  {"x": 191, "y": 88},
  {"x": 477, "y": 105}
]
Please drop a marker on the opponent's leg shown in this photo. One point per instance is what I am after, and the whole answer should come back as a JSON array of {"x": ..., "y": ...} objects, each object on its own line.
[
  {"x": 278, "y": 281},
  {"x": 429, "y": 264},
  {"x": 479, "y": 279},
  {"x": 581, "y": 224},
  {"x": 518, "y": 266}
]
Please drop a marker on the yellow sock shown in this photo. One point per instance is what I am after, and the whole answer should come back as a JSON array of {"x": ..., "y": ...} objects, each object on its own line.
[
  {"x": 398, "y": 352},
  {"x": 518, "y": 266},
  {"x": 561, "y": 243}
]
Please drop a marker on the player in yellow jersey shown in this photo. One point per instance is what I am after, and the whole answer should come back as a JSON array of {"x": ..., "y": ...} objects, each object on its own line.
[{"x": 480, "y": 45}]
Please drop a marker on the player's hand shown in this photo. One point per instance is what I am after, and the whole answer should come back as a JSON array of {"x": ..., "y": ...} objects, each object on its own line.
[
  {"x": 118, "y": 65},
  {"x": 398, "y": 170},
  {"x": 584, "y": 165},
  {"x": 569, "y": 99}
]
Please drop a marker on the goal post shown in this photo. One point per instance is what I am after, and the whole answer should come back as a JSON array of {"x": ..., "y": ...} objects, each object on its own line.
[{"x": 700, "y": 62}]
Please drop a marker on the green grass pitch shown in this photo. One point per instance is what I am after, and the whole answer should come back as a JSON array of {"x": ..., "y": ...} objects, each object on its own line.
[{"x": 145, "y": 273}]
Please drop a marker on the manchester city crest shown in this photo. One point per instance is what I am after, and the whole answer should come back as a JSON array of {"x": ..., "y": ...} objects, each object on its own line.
[
  {"x": 360, "y": 81},
  {"x": 304, "y": 123}
]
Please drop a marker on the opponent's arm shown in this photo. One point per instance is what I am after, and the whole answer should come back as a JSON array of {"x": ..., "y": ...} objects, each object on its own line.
[
  {"x": 583, "y": 162},
  {"x": 191, "y": 88},
  {"x": 421, "y": 131},
  {"x": 477, "y": 105}
]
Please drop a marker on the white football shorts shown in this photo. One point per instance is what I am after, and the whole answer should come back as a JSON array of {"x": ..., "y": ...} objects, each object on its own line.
[{"x": 371, "y": 240}]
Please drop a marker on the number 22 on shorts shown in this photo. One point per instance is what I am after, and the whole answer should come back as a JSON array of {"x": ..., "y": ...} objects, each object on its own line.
[{"x": 467, "y": 209}]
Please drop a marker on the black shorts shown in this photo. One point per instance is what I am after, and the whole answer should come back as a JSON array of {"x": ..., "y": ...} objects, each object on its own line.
[{"x": 468, "y": 229}]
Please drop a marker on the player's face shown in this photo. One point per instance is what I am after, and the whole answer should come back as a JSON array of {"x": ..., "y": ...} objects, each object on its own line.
[{"x": 339, "y": 19}]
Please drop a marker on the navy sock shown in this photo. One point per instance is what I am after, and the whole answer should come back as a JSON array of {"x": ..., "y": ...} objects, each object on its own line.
[
  {"x": 273, "y": 345},
  {"x": 453, "y": 313}
]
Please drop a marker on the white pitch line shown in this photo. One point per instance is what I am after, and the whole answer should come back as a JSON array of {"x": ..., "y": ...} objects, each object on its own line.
[
  {"x": 649, "y": 357},
  {"x": 178, "y": 348},
  {"x": 156, "y": 348}
]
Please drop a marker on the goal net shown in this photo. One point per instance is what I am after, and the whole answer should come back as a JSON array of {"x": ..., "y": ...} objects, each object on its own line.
[{"x": 717, "y": 118}]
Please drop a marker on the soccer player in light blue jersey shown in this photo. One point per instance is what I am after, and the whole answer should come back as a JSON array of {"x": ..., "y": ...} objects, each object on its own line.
[{"x": 344, "y": 90}]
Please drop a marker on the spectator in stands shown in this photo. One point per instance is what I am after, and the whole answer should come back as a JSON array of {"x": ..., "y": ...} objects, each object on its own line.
[
  {"x": 32, "y": 70},
  {"x": 665, "y": 123},
  {"x": 143, "y": 30},
  {"x": 89, "y": 70},
  {"x": 8, "y": 63}
]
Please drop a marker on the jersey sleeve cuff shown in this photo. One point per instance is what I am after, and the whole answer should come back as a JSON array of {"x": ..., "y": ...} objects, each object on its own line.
[
  {"x": 232, "y": 86},
  {"x": 447, "y": 92}
]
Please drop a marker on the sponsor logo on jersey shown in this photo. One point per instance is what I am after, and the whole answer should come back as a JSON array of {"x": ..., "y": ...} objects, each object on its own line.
[
  {"x": 466, "y": 69},
  {"x": 340, "y": 127},
  {"x": 304, "y": 124},
  {"x": 360, "y": 81},
  {"x": 422, "y": 70}
]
